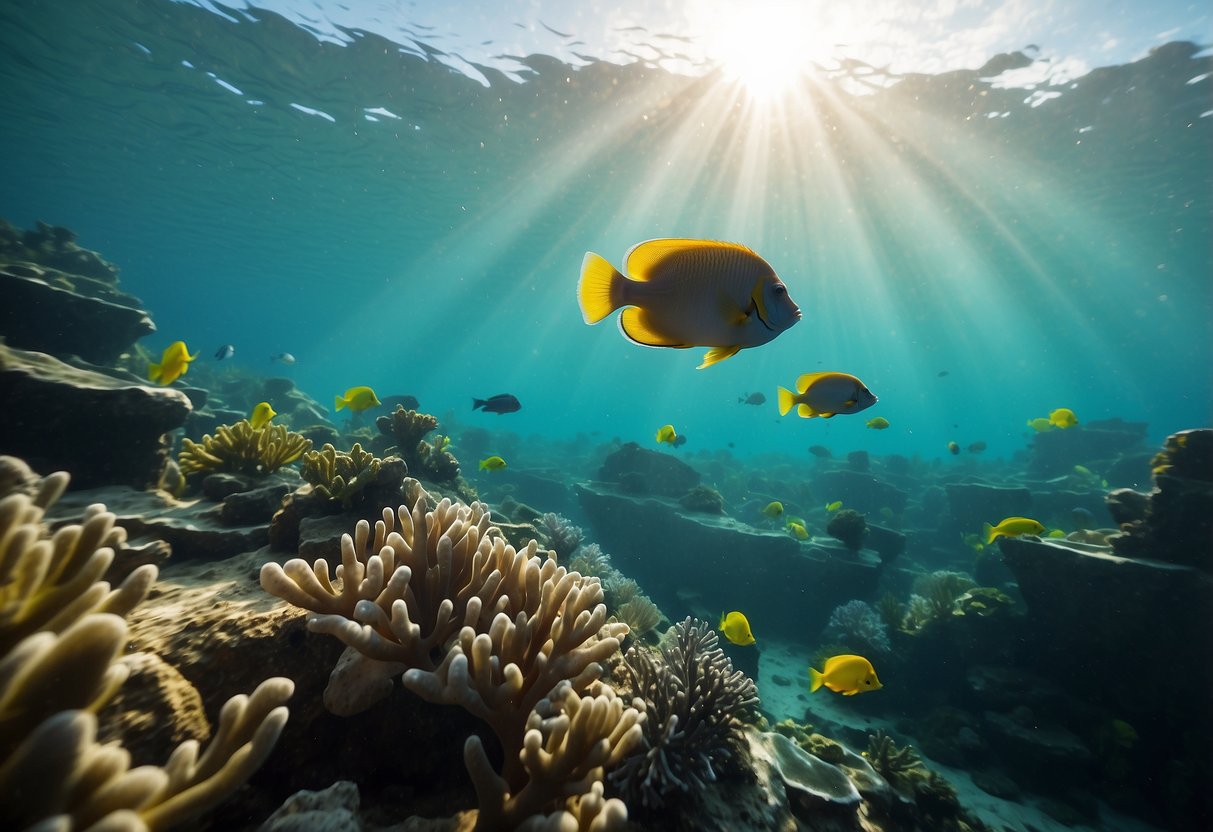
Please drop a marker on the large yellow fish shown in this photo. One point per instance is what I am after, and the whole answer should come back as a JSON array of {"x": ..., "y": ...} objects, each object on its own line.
[
  {"x": 261, "y": 415},
  {"x": 773, "y": 509},
  {"x": 356, "y": 399},
  {"x": 666, "y": 433},
  {"x": 1011, "y": 527},
  {"x": 1063, "y": 417},
  {"x": 825, "y": 395},
  {"x": 847, "y": 675},
  {"x": 689, "y": 293},
  {"x": 174, "y": 363},
  {"x": 736, "y": 628}
]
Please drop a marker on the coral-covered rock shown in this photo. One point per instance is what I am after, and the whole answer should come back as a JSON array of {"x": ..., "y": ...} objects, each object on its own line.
[
  {"x": 100, "y": 429},
  {"x": 654, "y": 473},
  {"x": 1056, "y": 452},
  {"x": 722, "y": 563},
  {"x": 1177, "y": 525},
  {"x": 40, "y": 314}
]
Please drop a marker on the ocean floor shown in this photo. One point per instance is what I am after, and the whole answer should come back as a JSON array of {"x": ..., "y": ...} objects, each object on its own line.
[{"x": 790, "y": 661}]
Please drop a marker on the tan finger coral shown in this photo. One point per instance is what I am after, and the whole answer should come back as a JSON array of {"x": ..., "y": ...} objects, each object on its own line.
[
  {"x": 439, "y": 593},
  {"x": 62, "y": 636},
  {"x": 243, "y": 449}
]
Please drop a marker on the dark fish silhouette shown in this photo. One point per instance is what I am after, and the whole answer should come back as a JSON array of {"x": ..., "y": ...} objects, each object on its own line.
[
  {"x": 820, "y": 451},
  {"x": 977, "y": 447},
  {"x": 501, "y": 403},
  {"x": 942, "y": 373},
  {"x": 752, "y": 398},
  {"x": 226, "y": 351}
]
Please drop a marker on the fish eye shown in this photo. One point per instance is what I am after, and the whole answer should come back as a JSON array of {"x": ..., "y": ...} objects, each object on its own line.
[
  {"x": 780, "y": 289},
  {"x": 868, "y": 682}
]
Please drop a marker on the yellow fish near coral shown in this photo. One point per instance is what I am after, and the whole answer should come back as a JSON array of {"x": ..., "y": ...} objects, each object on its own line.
[
  {"x": 877, "y": 423},
  {"x": 262, "y": 414},
  {"x": 825, "y": 395},
  {"x": 845, "y": 674},
  {"x": 683, "y": 293},
  {"x": 492, "y": 463},
  {"x": 666, "y": 433},
  {"x": 736, "y": 628},
  {"x": 1011, "y": 527},
  {"x": 174, "y": 362},
  {"x": 773, "y": 509},
  {"x": 798, "y": 530},
  {"x": 356, "y": 399},
  {"x": 1063, "y": 418},
  {"x": 834, "y": 506}
]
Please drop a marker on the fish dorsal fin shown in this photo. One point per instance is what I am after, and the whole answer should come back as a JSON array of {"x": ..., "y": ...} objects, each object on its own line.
[
  {"x": 804, "y": 382},
  {"x": 717, "y": 354},
  {"x": 642, "y": 259},
  {"x": 636, "y": 326}
]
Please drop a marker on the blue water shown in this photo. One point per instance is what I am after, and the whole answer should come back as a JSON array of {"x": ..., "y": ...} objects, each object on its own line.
[
  {"x": 1044, "y": 254},
  {"x": 978, "y": 247}
]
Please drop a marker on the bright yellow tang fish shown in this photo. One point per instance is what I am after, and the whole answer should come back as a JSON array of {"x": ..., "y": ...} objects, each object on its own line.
[
  {"x": 689, "y": 293},
  {"x": 736, "y": 628},
  {"x": 847, "y": 675}
]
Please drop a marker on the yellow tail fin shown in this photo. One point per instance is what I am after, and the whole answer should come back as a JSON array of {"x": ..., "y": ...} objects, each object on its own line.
[
  {"x": 338, "y": 403},
  {"x": 816, "y": 680},
  {"x": 990, "y": 533},
  {"x": 600, "y": 289},
  {"x": 786, "y": 401}
]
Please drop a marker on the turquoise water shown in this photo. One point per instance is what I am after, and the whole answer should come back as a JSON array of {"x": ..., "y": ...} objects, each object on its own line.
[
  {"x": 1044, "y": 254},
  {"x": 406, "y": 206}
]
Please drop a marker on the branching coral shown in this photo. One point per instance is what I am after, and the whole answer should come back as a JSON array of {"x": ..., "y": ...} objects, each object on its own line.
[
  {"x": 934, "y": 596},
  {"x": 900, "y": 766},
  {"x": 693, "y": 700},
  {"x": 243, "y": 449},
  {"x": 439, "y": 593},
  {"x": 343, "y": 477},
  {"x": 62, "y": 634},
  {"x": 591, "y": 560},
  {"x": 860, "y": 627},
  {"x": 640, "y": 614},
  {"x": 563, "y": 536},
  {"x": 408, "y": 428}
]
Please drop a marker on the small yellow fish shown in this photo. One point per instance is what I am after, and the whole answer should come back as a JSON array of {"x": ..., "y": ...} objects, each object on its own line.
[
  {"x": 356, "y": 399},
  {"x": 262, "y": 414},
  {"x": 666, "y": 433},
  {"x": 1011, "y": 527},
  {"x": 798, "y": 530},
  {"x": 174, "y": 362},
  {"x": 954, "y": 447},
  {"x": 825, "y": 395},
  {"x": 736, "y": 628},
  {"x": 834, "y": 506},
  {"x": 845, "y": 674},
  {"x": 1040, "y": 425},
  {"x": 773, "y": 509},
  {"x": 1063, "y": 418},
  {"x": 492, "y": 463},
  {"x": 689, "y": 293},
  {"x": 877, "y": 423},
  {"x": 973, "y": 541},
  {"x": 1055, "y": 533}
]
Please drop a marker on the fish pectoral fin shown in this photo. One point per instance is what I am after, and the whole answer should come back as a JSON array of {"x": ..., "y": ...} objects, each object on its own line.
[
  {"x": 849, "y": 692},
  {"x": 717, "y": 354},
  {"x": 731, "y": 313},
  {"x": 827, "y": 415},
  {"x": 637, "y": 325}
]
